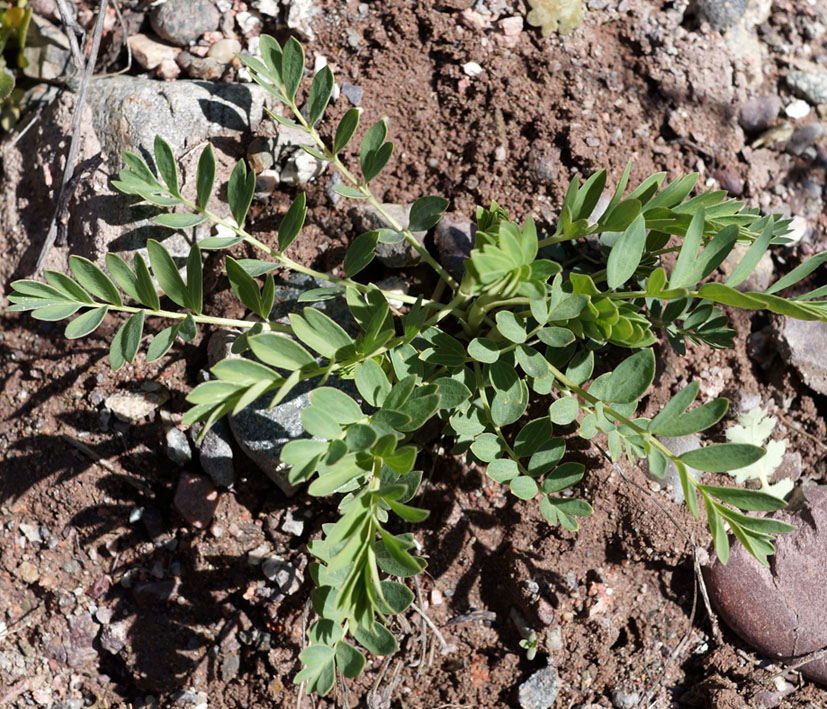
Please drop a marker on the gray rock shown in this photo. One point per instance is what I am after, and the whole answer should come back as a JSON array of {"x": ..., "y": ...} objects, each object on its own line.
[
  {"x": 206, "y": 68},
  {"x": 261, "y": 154},
  {"x": 352, "y": 93},
  {"x": 759, "y": 113},
  {"x": 113, "y": 637},
  {"x": 230, "y": 666},
  {"x": 803, "y": 137},
  {"x": 540, "y": 690},
  {"x": 671, "y": 478},
  {"x": 625, "y": 700},
  {"x": 454, "y": 239},
  {"x": 78, "y": 641},
  {"x": 293, "y": 525},
  {"x": 398, "y": 255},
  {"x": 760, "y": 279},
  {"x": 780, "y": 609},
  {"x": 183, "y": 21},
  {"x": 216, "y": 454},
  {"x": 803, "y": 344},
  {"x": 810, "y": 85},
  {"x": 47, "y": 52},
  {"x": 178, "y": 447},
  {"x": 721, "y": 14}
]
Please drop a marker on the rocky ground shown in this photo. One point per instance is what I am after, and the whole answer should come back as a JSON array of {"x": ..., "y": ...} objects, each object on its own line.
[{"x": 139, "y": 569}]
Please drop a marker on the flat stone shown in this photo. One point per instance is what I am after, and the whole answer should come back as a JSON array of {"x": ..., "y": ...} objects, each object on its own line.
[
  {"x": 398, "y": 255},
  {"x": 196, "y": 499},
  {"x": 131, "y": 407},
  {"x": 183, "y": 21},
  {"x": 811, "y": 85},
  {"x": 149, "y": 53},
  {"x": 781, "y": 611},
  {"x": 540, "y": 690},
  {"x": 802, "y": 344}
]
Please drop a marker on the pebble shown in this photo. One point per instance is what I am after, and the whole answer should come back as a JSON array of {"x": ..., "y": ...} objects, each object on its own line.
[
  {"x": 247, "y": 22},
  {"x": 31, "y": 532},
  {"x": 149, "y": 53},
  {"x": 261, "y": 154},
  {"x": 225, "y": 50},
  {"x": 178, "y": 447},
  {"x": 780, "y": 610},
  {"x": 206, "y": 68},
  {"x": 292, "y": 525},
  {"x": 811, "y": 85},
  {"x": 622, "y": 699},
  {"x": 196, "y": 499},
  {"x": 759, "y": 113},
  {"x": 797, "y": 109},
  {"x": 230, "y": 666},
  {"x": 270, "y": 566},
  {"x": 803, "y": 137},
  {"x": 113, "y": 637},
  {"x": 760, "y": 279},
  {"x": 540, "y": 690},
  {"x": 134, "y": 406},
  {"x": 301, "y": 168},
  {"x": 267, "y": 7},
  {"x": 679, "y": 446},
  {"x": 802, "y": 345},
  {"x": 168, "y": 70},
  {"x": 471, "y": 69},
  {"x": 28, "y": 572},
  {"x": 151, "y": 592},
  {"x": 730, "y": 180},
  {"x": 300, "y": 16},
  {"x": 353, "y": 93},
  {"x": 721, "y": 14},
  {"x": 183, "y": 21},
  {"x": 215, "y": 453}
]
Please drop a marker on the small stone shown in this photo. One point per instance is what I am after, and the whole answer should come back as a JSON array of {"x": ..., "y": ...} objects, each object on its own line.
[
  {"x": 730, "y": 180},
  {"x": 625, "y": 700},
  {"x": 810, "y": 85},
  {"x": 511, "y": 26},
  {"x": 267, "y": 181},
  {"x": 292, "y": 525},
  {"x": 215, "y": 453},
  {"x": 247, "y": 22},
  {"x": 113, "y": 637},
  {"x": 760, "y": 279},
  {"x": 261, "y": 154},
  {"x": 31, "y": 532},
  {"x": 196, "y": 499},
  {"x": 271, "y": 566},
  {"x": 471, "y": 69},
  {"x": 540, "y": 690},
  {"x": 554, "y": 638},
  {"x": 802, "y": 345},
  {"x": 544, "y": 162},
  {"x": 797, "y": 109},
  {"x": 134, "y": 406},
  {"x": 178, "y": 447},
  {"x": 759, "y": 113},
  {"x": 256, "y": 556},
  {"x": 721, "y": 14},
  {"x": 47, "y": 54},
  {"x": 803, "y": 137},
  {"x": 301, "y": 168},
  {"x": 229, "y": 667},
  {"x": 168, "y": 70},
  {"x": 500, "y": 153},
  {"x": 71, "y": 567},
  {"x": 28, "y": 572},
  {"x": 149, "y": 53},
  {"x": 153, "y": 592},
  {"x": 183, "y": 21},
  {"x": 352, "y": 93},
  {"x": 225, "y": 50},
  {"x": 206, "y": 69},
  {"x": 454, "y": 239},
  {"x": 436, "y": 597},
  {"x": 679, "y": 446},
  {"x": 267, "y": 7},
  {"x": 288, "y": 579}
]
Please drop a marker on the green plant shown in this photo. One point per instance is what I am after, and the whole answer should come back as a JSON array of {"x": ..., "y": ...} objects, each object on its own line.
[
  {"x": 526, "y": 342},
  {"x": 529, "y": 644},
  {"x": 14, "y": 24}
]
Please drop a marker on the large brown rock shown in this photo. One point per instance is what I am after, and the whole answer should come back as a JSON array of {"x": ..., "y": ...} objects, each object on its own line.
[{"x": 781, "y": 611}]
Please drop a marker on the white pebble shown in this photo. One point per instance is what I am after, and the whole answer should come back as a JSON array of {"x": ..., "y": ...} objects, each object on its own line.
[
  {"x": 797, "y": 109},
  {"x": 472, "y": 69}
]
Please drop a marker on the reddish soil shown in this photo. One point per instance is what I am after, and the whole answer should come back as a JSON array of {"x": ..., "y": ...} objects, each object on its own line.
[{"x": 615, "y": 605}]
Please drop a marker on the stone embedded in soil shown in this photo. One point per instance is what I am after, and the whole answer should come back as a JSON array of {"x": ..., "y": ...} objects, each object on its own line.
[
  {"x": 215, "y": 454},
  {"x": 28, "y": 572},
  {"x": 113, "y": 637},
  {"x": 721, "y": 14},
  {"x": 782, "y": 610},
  {"x": 183, "y": 21},
  {"x": 150, "y": 593},
  {"x": 196, "y": 499},
  {"x": 540, "y": 690},
  {"x": 802, "y": 345},
  {"x": 178, "y": 447},
  {"x": 679, "y": 446},
  {"x": 759, "y": 113},
  {"x": 134, "y": 406},
  {"x": 78, "y": 641},
  {"x": 398, "y": 255},
  {"x": 352, "y": 93},
  {"x": 454, "y": 239},
  {"x": 760, "y": 279},
  {"x": 811, "y": 85}
]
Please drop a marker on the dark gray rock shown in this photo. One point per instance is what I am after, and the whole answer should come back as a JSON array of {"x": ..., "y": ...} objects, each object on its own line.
[
  {"x": 810, "y": 85},
  {"x": 216, "y": 454},
  {"x": 454, "y": 239},
  {"x": 183, "y": 21},
  {"x": 759, "y": 113},
  {"x": 802, "y": 344},
  {"x": 803, "y": 137},
  {"x": 398, "y": 255},
  {"x": 540, "y": 690},
  {"x": 781, "y": 610},
  {"x": 721, "y": 14},
  {"x": 353, "y": 93}
]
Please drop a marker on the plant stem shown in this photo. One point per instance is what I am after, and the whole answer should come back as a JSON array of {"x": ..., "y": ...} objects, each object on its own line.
[{"x": 204, "y": 319}]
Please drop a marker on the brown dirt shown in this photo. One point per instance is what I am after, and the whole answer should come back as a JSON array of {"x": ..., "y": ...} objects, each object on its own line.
[{"x": 619, "y": 594}]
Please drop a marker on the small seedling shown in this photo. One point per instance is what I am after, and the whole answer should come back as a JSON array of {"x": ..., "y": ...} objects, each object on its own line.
[
  {"x": 529, "y": 644},
  {"x": 518, "y": 352}
]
